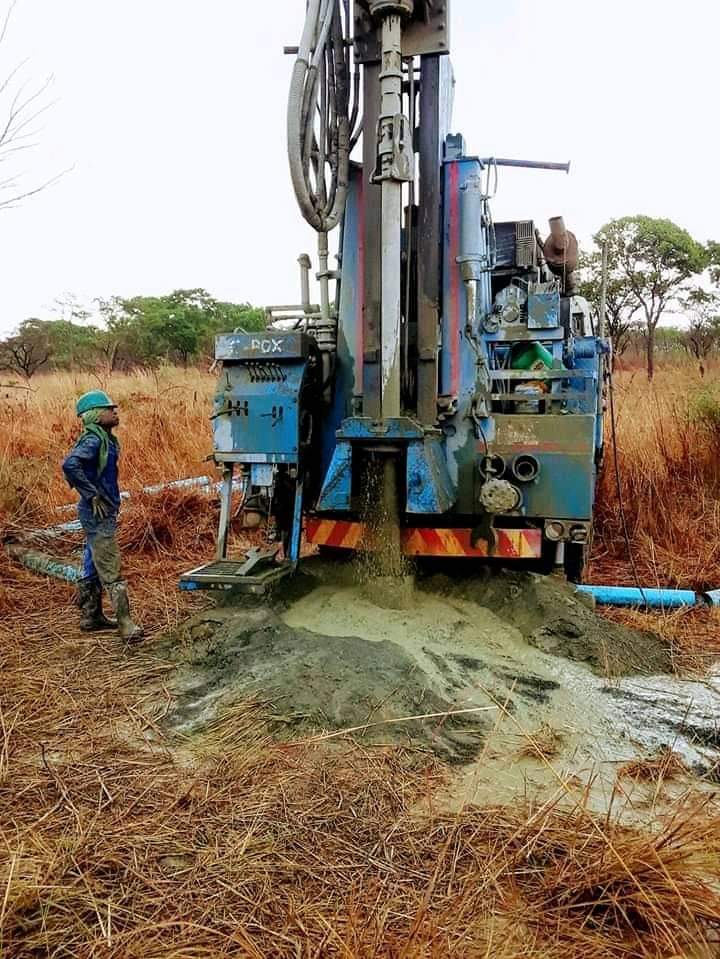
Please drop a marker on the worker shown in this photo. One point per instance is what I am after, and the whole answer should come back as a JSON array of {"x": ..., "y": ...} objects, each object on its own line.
[{"x": 91, "y": 467}]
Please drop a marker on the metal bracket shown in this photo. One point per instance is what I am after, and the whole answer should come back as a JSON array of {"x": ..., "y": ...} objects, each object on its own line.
[
  {"x": 395, "y": 157},
  {"x": 427, "y": 32},
  {"x": 256, "y": 557}
]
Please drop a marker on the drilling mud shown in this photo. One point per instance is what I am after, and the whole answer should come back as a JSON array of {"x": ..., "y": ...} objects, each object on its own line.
[
  {"x": 511, "y": 676},
  {"x": 381, "y": 567}
]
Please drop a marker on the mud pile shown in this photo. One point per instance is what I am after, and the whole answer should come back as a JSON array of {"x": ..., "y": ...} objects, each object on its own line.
[{"x": 530, "y": 657}]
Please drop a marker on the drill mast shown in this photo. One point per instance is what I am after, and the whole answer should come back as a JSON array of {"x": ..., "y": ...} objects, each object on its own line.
[{"x": 452, "y": 347}]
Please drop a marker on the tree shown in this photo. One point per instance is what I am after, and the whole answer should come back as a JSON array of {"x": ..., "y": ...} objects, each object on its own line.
[
  {"x": 21, "y": 108},
  {"x": 703, "y": 333},
  {"x": 27, "y": 350},
  {"x": 655, "y": 257},
  {"x": 713, "y": 252},
  {"x": 621, "y": 306},
  {"x": 143, "y": 330}
]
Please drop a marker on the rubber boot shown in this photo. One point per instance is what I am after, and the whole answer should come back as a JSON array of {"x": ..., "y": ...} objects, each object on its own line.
[
  {"x": 90, "y": 603},
  {"x": 129, "y": 631}
]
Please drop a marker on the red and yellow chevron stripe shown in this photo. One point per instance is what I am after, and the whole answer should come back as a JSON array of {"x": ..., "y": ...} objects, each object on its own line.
[
  {"x": 426, "y": 541},
  {"x": 333, "y": 532}
]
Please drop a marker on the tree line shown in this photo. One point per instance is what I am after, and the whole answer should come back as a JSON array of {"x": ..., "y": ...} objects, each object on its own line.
[
  {"x": 655, "y": 269},
  {"x": 140, "y": 331}
]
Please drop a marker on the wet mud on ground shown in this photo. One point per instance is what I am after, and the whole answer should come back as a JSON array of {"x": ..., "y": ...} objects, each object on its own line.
[{"x": 560, "y": 694}]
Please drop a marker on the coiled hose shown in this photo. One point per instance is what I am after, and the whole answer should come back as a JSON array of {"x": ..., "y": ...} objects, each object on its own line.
[{"x": 320, "y": 121}]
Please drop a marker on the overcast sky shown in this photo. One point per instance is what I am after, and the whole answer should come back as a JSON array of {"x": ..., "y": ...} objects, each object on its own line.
[{"x": 171, "y": 114}]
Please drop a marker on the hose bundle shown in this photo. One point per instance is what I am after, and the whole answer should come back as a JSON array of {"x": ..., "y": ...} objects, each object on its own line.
[{"x": 320, "y": 121}]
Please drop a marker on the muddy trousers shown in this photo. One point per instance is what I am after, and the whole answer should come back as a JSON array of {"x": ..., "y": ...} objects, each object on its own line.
[
  {"x": 101, "y": 559},
  {"x": 102, "y": 568}
]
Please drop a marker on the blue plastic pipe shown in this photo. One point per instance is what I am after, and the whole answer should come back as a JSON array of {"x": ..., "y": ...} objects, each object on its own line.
[{"x": 632, "y": 596}]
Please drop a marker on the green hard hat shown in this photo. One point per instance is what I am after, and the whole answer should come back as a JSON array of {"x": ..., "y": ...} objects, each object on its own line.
[{"x": 94, "y": 400}]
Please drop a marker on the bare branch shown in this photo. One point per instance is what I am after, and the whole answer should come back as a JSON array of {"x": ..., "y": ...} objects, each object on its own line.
[
  {"x": 6, "y": 21},
  {"x": 20, "y": 127},
  {"x": 10, "y": 204},
  {"x": 13, "y": 73}
]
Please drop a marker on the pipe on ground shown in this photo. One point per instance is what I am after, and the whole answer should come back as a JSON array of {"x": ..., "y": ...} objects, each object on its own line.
[
  {"x": 43, "y": 563},
  {"x": 205, "y": 483},
  {"x": 58, "y": 568},
  {"x": 155, "y": 488},
  {"x": 651, "y": 598}
]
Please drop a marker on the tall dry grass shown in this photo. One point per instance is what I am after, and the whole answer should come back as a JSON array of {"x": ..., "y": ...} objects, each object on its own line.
[
  {"x": 668, "y": 435},
  {"x": 120, "y": 842},
  {"x": 668, "y": 458},
  {"x": 164, "y": 432}
]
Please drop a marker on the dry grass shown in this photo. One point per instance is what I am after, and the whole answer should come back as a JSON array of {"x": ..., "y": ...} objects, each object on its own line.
[
  {"x": 119, "y": 842},
  {"x": 665, "y": 764},
  {"x": 544, "y": 742},
  {"x": 670, "y": 470},
  {"x": 165, "y": 434},
  {"x": 669, "y": 463}
]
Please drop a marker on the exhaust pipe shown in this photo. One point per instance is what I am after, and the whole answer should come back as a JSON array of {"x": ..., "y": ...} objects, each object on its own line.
[{"x": 561, "y": 252}]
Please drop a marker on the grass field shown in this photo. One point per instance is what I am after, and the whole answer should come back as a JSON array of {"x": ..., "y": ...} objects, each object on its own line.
[{"x": 120, "y": 844}]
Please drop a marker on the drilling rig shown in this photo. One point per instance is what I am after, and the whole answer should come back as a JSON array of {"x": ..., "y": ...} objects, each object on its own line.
[{"x": 447, "y": 347}]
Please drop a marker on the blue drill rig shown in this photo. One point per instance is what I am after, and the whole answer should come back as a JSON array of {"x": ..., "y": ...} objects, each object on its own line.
[{"x": 446, "y": 346}]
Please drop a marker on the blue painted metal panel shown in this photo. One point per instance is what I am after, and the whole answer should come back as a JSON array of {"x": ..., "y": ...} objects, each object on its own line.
[
  {"x": 267, "y": 345},
  {"x": 584, "y": 354},
  {"x": 429, "y": 487},
  {"x": 337, "y": 487},
  {"x": 458, "y": 356},
  {"x": 564, "y": 448},
  {"x": 296, "y": 530},
  {"x": 543, "y": 311},
  {"x": 257, "y": 410},
  {"x": 399, "y": 428},
  {"x": 261, "y": 474}
]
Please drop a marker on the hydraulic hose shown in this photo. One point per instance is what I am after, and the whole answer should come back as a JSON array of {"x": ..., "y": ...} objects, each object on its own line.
[{"x": 320, "y": 117}]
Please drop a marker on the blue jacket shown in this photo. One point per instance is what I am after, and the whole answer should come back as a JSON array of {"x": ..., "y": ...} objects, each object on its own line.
[{"x": 80, "y": 467}]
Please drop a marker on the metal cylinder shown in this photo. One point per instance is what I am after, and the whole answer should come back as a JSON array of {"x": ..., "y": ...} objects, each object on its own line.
[
  {"x": 305, "y": 264},
  {"x": 558, "y": 231},
  {"x": 560, "y": 248},
  {"x": 385, "y": 8},
  {"x": 323, "y": 252},
  {"x": 472, "y": 251},
  {"x": 525, "y": 468},
  {"x": 391, "y": 230}
]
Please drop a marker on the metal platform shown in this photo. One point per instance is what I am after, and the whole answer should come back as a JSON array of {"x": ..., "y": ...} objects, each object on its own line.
[{"x": 227, "y": 574}]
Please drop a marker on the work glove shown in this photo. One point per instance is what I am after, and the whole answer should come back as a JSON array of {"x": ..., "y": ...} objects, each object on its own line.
[{"x": 100, "y": 507}]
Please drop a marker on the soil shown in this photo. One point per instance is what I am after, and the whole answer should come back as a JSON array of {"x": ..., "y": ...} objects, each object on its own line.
[
  {"x": 542, "y": 687},
  {"x": 554, "y": 618}
]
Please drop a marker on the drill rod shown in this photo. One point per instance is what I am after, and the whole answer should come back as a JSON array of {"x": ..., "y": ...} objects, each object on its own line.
[{"x": 391, "y": 107}]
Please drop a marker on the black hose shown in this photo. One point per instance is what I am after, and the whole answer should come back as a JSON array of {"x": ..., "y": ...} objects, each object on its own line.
[{"x": 321, "y": 119}]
